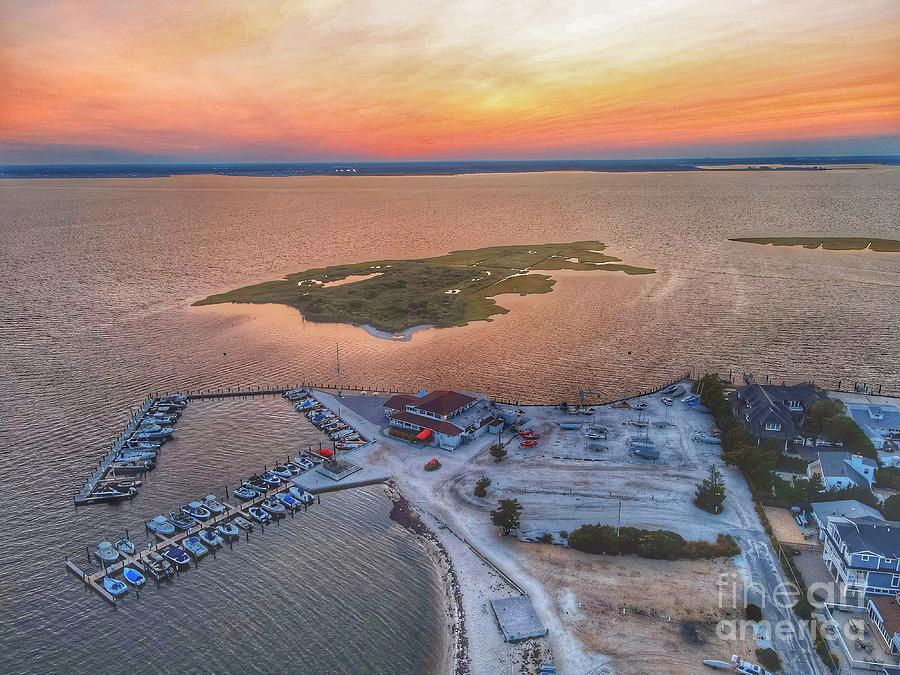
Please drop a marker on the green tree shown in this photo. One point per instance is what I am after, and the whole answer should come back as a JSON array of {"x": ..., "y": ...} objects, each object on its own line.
[
  {"x": 892, "y": 507},
  {"x": 507, "y": 515},
  {"x": 710, "y": 494},
  {"x": 819, "y": 416},
  {"x": 498, "y": 452},
  {"x": 888, "y": 476},
  {"x": 481, "y": 486}
]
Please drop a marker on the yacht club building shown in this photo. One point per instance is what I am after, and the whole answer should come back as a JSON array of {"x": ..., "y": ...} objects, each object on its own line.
[{"x": 445, "y": 419}]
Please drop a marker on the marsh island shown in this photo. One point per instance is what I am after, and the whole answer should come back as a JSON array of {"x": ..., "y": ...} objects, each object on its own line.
[
  {"x": 447, "y": 290},
  {"x": 829, "y": 243}
]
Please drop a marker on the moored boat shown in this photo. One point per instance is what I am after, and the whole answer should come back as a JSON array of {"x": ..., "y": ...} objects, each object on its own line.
[
  {"x": 195, "y": 547},
  {"x": 177, "y": 556},
  {"x": 273, "y": 508},
  {"x": 181, "y": 521},
  {"x": 213, "y": 505},
  {"x": 245, "y": 494},
  {"x": 196, "y": 510},
  {"x": 106, "y": 553},
  {"x": 158, "y": 567},
  {"x": 161, "y": 526},
  {"x": 110, "y": 494},
  {"x": 210, "y": 538},
  {"x": 114, "y": 587},
  {"x": 125, "y": 546},
  {"x": 281, "y": 471},
  {"x": 288, "y": 501},
  {"x": 271, "y": 479},
  {"x": 243, "y": 523},
  {"x": 258, "y": 515},
  {"x": 228, "y": 531},
  {"x": 133, "y": 577},
  {"x": 301, "y": 495}
]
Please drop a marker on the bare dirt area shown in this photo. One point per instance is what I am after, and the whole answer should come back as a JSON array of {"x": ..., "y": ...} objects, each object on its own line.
[
  {"x": 671, "y": 608},
  {"x": 786, "y": 529}
]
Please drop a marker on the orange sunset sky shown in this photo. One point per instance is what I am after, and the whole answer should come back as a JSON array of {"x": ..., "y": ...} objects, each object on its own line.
[{"x": 322, "y": 79}]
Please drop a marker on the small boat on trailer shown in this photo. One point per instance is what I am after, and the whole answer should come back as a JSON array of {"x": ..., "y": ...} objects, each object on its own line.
[
  {"x": 528, "y": 443},
  {"x": 705, "y": 437},
  {"x": 114, "y": 587}
]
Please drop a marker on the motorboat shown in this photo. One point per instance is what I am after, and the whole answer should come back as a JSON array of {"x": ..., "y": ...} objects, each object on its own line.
[
  {"x": 245, "y": 494},
  {"x": 149, "y": 435},
  {"x": 258, "y": 484},
  {"x": 132, "y": 468},
  {"x": 123, "y": 485},
  {"x": 270, "y": 478},
  {"x": 678, "y": 391},
  {"x": 293, "y": 468},
  {"x": 148, "y": 424},
  {"x": 110, "y": 494},
  {"x": 243, "y": 523},
  {"x": 106, "y": 553},
  {"x": 258, "y": 515},
  {"x": 348, "y": 446},
  {"x": 273, "y": 507},
  {"x": 213, "y": 505},
  {"x": 736, "y": 665},
  {"x": 196, "y": 510},
  {"x": 667, "y": 401},
  {"x": 135, "y": 455},
  {"x": 308, "y": 404},
  {"x": 690, "y": 398},
  {"x": 173, "y": 399},
  {"x": 161, "y": 526},
  {"x": 142, "y": 445},
  {"x": 125, "y": 546},
  {"x": 595, "y": 435},
  {"x": 228, "y": 531},
  {"x": 641, "y": 405},
  {"x": 304, "y": 463},
  {"x": 133, "y": 577},
  {"x": 281, "y": 471},
  {"x": 162, "y": 419},
  {"x": 182, "y": 521},
  {"x": 529, "y": 443},
  {"x": 210, "y": 538},
  {"x": 288, "y": 501},
  {"x": 705, "y": 437},
  {"x": 114, "y": 587},
  {"x": 195, "y": 547},
  {"x": 158, "y": 567},
  {"x": 295, "y": 394},
  {"x": 301, "y": 495},
  {"x": 177, "y": 556}
]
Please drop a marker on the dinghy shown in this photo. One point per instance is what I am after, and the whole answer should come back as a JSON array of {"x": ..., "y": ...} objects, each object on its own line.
[
  {"x": 133, "y": 577},
  {"x": 114, "y": 587}
]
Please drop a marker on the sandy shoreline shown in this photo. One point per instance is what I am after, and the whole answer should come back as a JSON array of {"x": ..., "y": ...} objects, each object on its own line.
[
  {"x": 401, "y": 336},
  {"x": 456, "y": 654}
]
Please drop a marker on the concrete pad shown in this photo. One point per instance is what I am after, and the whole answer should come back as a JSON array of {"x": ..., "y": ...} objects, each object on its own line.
[{"x": 517, "y": 618}]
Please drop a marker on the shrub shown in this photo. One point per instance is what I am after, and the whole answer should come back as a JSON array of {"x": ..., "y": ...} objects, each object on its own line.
[
  {"x": 564, "y": 534},
  {"x": 768, "y": 659},
  {"x": 654, "y": 544},
  {"x": 481, "y": 487},
  {"x": 546, "y": 538},
  {"x": 498, "y": 452},
  {"x": 753, "y": 612}
]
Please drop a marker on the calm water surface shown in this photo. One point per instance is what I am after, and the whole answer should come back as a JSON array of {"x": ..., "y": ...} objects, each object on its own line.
[{"x": 97, "y": 278}]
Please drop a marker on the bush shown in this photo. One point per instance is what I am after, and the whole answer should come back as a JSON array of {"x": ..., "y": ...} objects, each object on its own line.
[
  {"x": 564, "y": 534},
  {"x": 654, "y": 544},
  {"x": 888, "y": 476},
  {"x": 753, "y": 612},
  {"x": 481, "y": 487},
  {"x": 546, "y": 538},
  {"x": 498, "y": 452},
  {"x": 768, "y": 659}
]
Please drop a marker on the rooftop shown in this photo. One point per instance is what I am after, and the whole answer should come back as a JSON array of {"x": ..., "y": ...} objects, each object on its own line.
[
  {"x": 517, "y": 618},
  {"x": 889, "y": 609},
  {"x": 438, "y": 426},
  {"x": 868, "y": 534},
  {"x": 844, "y": 508},
  {"x": 441, "y": 402}
]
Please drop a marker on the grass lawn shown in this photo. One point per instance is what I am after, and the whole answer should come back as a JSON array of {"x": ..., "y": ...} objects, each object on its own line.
[{"x": 448, "y": 290}]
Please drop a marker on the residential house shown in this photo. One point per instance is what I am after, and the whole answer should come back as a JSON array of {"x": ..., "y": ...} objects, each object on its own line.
[
  {"x": 823, "y": 512},
  {"x": 444, "y": 418},
  {"x": 884, "y": 610},
  {"x": 880, "y": 423},
  {"x": 841, "y": 470},
  {"x": 863, "y": 555},
  {"x": 775, "y": 412}
]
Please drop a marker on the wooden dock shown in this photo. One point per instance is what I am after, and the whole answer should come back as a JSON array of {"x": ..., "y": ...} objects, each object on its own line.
[
  {"x": 94, "y": 580},
  {"x": 103, "y": 466}
]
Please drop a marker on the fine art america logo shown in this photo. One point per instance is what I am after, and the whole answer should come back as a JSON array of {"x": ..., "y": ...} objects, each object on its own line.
[{"x": 782, "y": 601}]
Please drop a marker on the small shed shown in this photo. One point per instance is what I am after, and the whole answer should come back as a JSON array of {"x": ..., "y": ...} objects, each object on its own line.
[{"x": 517, "y": 618}]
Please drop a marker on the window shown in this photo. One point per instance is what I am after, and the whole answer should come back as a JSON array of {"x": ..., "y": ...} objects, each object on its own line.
[
  {"x": 895, "y": 581},
  {"x": 864, "y": 558},
  {"x": 773, "y": 426},
  {"x": 795, "y": 405}
]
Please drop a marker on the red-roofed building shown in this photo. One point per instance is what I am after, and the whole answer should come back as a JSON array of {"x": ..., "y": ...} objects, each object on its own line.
[{"x": 445, "y": 413}]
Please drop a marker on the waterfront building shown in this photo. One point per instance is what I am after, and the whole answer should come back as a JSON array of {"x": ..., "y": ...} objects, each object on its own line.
[
  {"x": 841, "y": 470},
  {"x": 443, "y": 418},
  {"x": 863, "y": 556},
  {"x": 885, "y": 614},
  {"x": 775, "y": 412}
]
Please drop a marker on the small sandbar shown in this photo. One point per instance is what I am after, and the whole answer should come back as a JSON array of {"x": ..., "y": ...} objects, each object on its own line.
[
  {"x": 399, "y": 336},
  {"x": 352, "y": 279}
]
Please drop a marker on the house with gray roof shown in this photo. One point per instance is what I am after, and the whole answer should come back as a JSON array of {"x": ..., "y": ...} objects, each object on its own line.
[
  {"x": 880, "y": 423},
  {"x": 863, "y": 555},
  {"x": 841, "y": 470},
  {"x": 823, "y": 512},
  {"x": 777, "y": 412}
]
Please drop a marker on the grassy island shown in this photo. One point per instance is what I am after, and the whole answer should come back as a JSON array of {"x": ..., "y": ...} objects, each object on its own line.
[
  {"x": 829, "y": 243},
  {"x": 448, "y": 290}
]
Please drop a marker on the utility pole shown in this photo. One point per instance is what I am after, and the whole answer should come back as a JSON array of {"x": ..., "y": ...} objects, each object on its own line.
[
  {"x": 339, "y": 383},
  {"x": 619, "y": 521}
]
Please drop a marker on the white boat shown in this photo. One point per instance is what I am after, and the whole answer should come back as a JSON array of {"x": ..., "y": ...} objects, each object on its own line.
[
  {"x": 161, "y": 526},
  {"x": 213, "y": 505},
  {"x": 125, "y": 546},
  {"x": 301, "y": 495},
  {"x": 196, "y": 510},
  {"x": 667, "y": 401},
  {"x": 303, "y": 463}
]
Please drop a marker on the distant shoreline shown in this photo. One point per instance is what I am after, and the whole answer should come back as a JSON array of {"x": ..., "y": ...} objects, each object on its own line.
[{"x": 456, "y": 168}]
